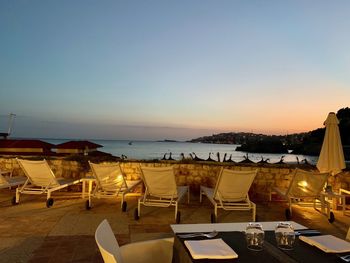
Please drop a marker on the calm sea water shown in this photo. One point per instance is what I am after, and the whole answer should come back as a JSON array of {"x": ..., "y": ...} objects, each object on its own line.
[{"x": 149, "y": 150}]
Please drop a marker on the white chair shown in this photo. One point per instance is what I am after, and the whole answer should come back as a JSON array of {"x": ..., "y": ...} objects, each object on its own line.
[
  {"x": 153, "y": 251},
  {"x": 231, "y": 192},
  {"x": 305, "y": 188},
  {"x": 110, "y": 183},
  {"x": 41, "y": 180},
  {"x": 161, "y": 190}
]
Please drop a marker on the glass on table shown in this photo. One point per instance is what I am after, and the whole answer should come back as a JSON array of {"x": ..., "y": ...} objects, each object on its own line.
[
  {"x": 254, "y": 235},
  {"x": 285, "y": 236}
]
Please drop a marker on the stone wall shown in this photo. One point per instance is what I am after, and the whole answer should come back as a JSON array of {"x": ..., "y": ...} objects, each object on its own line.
[{"x": 192, "y": 174}]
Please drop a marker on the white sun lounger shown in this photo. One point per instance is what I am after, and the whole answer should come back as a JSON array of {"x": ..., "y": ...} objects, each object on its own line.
[
  {"x": 161, "y": 190},
  {"x": 110, "y": 183},
  {"x": 41, "y": 180},
  {"x": 305, "y": 188},
  {"x": 231, "y": 192}
]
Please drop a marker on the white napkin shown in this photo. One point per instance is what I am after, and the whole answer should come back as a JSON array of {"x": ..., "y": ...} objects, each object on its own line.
[
  {"x": 327, "y": 243},
  {"x": 213, "y": 248}
]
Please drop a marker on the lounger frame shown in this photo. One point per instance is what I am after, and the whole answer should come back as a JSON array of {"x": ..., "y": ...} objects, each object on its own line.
[
  {"x": 158, "y": 195},
  {"x": 236, "y": 199},
  {"x": 41, "y": 180},
  {"x": 304, "y": 189},
  {"x": 110, "y": 182}
]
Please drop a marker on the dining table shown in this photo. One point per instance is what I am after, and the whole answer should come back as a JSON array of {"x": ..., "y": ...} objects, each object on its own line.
[{"x": 233, "y": 234}]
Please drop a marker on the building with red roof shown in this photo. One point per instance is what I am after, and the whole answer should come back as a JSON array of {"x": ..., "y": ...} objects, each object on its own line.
[
  {"x": 25, "y": 147},
  {"x": 41, "y": 148},
  {"x": 78, "y": 147}
]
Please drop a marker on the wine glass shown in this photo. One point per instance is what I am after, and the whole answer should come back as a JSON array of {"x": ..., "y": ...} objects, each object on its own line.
[
  {"x": 285, "y": 236},
  {"x": 254, "y": 235}
]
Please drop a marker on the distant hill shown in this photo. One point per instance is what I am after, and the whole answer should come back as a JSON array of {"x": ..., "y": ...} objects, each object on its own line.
[
  {"x": 308, "y": 143},
  {"x": 244, "y": 137},
  {"x": 312, "y": 141},
  {"x": 256, "y": 143}
]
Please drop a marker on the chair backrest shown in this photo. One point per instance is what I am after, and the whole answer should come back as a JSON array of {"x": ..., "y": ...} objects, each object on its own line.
[
  {"x": 233, "y": 185},
  {"x": 159, "y": 181},
  {"x": 306, "y": 184},
  {"x": 109, "y": 176},
  {"x": 38, "y": 172},
  {"x": 107, "y": 243}
]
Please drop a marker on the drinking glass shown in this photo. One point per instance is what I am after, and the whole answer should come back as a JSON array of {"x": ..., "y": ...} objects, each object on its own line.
[
  {"x": 285, "y": 236},
  {"x": 254, "y": 235}
]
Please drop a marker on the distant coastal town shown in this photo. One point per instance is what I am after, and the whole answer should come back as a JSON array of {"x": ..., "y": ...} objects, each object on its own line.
[{"x": 308, "y": 143}]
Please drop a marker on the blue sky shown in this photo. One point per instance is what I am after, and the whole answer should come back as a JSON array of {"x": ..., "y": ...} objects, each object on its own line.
[{"x": 171, "y": 69}]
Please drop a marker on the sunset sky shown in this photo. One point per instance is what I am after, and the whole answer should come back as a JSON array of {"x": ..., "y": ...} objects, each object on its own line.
[{"x": 171, "y": 69}]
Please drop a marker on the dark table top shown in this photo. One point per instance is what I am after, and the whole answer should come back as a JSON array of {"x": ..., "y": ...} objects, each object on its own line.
[{"x": 302, "y": 252}]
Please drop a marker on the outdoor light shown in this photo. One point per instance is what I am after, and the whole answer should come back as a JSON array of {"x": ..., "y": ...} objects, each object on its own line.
[
  {"x": 120, "y": 178},
  {"x": 302, "y": 184}
]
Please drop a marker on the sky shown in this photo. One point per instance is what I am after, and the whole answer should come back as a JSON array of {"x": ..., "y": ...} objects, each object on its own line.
[{"x": 152, "y": 70}]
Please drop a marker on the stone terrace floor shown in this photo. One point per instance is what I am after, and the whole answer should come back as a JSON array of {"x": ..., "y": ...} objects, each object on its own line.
[{"x": 30, "y": 232}]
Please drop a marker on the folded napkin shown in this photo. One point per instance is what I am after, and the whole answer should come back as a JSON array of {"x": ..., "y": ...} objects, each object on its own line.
[
  {"x": 213, "y": 248},
  {"x": 328, "y": 243}
]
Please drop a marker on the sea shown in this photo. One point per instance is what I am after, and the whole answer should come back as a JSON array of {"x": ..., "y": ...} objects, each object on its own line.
[{"x": 150, "y": 150}]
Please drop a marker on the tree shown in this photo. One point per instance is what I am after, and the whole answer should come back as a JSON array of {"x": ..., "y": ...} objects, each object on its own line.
[{"x": 344, "y": 125}]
